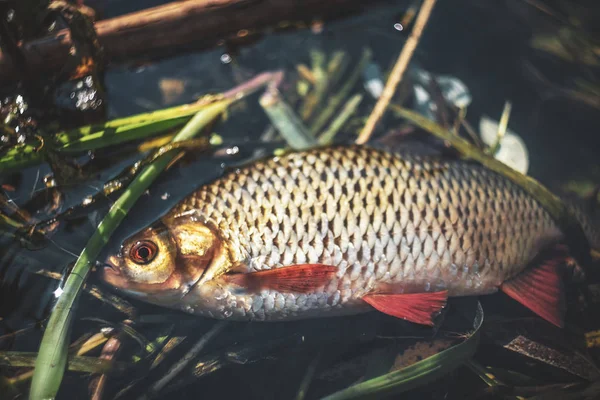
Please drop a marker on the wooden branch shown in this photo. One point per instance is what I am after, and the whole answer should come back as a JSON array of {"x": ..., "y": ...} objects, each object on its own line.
[
  {"x": 163, "y": 30},
  {"x": 397, "y": 72}
]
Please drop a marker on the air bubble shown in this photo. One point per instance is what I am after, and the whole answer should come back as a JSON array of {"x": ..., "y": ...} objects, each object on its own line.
[
  {"x": 232, "y": 150},
  {"x": 189, "y": 309},
  {"x": 225, "y": 58},
  {"x": 88, "y": 200}
]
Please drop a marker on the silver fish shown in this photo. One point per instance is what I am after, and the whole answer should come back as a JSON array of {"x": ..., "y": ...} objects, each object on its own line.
[{"x": 343, "y": 230}]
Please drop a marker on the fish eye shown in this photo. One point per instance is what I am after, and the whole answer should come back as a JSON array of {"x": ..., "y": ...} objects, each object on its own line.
[{"x": 143, "y": 252}]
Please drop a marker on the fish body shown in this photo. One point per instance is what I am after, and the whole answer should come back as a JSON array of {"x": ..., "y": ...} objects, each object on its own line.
[{"x": 333, "y": 231}]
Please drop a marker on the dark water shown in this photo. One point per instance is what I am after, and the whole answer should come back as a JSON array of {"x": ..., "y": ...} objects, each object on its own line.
[{"x": 485, "y": 45}]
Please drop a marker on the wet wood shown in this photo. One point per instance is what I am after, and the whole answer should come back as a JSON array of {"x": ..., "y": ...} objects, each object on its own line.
[{"x": 164, "y": 30}]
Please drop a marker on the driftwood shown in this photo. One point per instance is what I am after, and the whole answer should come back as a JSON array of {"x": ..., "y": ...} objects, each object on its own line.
[{"x": 160, "y": 31}]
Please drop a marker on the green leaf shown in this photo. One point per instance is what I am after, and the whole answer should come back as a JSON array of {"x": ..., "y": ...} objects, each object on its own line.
[
  {"x": 417, "y": 374},
  {"x": 52, "y": 357},
  {"x": 18, "y": 359},
  {"x": 92, "y": 137},
  {"x": 564, "y": 216}
]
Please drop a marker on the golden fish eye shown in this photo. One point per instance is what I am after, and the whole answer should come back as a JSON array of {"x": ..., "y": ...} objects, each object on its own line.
[{"x": 143, "y": 252}]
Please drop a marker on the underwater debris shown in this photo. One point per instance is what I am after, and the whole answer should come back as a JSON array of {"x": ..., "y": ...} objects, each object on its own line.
[
  {"x": 285, "y": 120},
  {"x": 256, "y": 352},
  {"x": 547, "y": 355},
  {"x": 511, "y": 149},
  {"x": 397, "y": 72},
  {"x": 50, "y": 362}
]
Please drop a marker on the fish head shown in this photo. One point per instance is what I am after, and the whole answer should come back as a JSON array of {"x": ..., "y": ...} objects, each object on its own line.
[{"x": 161, "y": 263}]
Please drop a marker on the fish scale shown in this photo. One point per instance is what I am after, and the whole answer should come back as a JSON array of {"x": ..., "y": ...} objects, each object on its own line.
[{"x": 379, "y": 217}]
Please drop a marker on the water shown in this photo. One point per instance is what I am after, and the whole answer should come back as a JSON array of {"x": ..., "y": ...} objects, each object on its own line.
[{"x": 486, "y": 46}]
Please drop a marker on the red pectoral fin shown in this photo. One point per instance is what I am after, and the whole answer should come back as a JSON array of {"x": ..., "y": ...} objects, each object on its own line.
[
  {"x": 302, "y": 278},
  {"x": 420, "y": 308},
  {"x": 540, "y": 289}
]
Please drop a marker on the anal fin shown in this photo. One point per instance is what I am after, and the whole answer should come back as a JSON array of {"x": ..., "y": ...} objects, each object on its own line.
[
  {"x": 302, "y": 278},
  {"x": 540, "y": 289},
  {"x": 420, "y": 308}
]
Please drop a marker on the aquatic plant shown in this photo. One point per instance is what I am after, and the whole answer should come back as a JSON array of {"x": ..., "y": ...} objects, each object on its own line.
[{"x": 305, "y": 121}]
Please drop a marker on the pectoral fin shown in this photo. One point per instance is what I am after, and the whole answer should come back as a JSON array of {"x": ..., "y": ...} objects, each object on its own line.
[
  {"x": 420, "y": 308},
  {"x": 302, "y": 278}
]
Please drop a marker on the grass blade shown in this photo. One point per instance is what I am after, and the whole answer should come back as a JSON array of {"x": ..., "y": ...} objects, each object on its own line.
[
  {"x": 189, "y": 356},
  {"x": 563, "y": 215},
  {"x": 52, "y": 358},
  {"x": 334, "y": 101},
  {"x": 289, "y": 125},
  {"x": 92, "y": 137},
  {"x": 418, "y": 373},
  {"x": 337, "y": 124},
  {"x": 16, "y": 359}
]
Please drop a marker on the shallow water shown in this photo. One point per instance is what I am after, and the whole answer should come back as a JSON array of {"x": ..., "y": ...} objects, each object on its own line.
[{"x": 485, "y": 46}]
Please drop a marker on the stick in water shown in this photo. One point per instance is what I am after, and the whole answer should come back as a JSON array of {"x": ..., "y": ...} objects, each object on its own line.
[
  {"x": 397, "y": 72},
  {"x": 190, "y": 355}
]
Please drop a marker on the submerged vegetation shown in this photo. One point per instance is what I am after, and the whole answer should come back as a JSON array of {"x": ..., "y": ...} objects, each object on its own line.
[{"x": 97, "y": 173}]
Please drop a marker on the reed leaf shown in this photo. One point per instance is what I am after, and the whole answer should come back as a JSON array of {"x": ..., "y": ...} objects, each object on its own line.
[
  {"x": 52, "y": 357},
  {"x": 18, "y": 359},
  {"x": 285, "y": 120},
  {"x": 336, "y": 100},
  {"x": 92, "y": 137},
  {"x": 419, "y": 373},
  {"x": 563, "y": 215}
]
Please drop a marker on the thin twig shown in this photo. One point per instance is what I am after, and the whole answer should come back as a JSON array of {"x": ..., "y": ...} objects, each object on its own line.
[
  {"x": 98, "y": 382},
  {"x": 94, "y": 291},
  {"x": 168, "y": 347},
  {"x": 334, "y": 101},
  {"x": 289, "y": 125},
  {"x": 18, "y": 359},
  {"x": 270, "y": 78},
  {"x": 477, "y": 142},
  {"x": 181, "y": 364},
  {"x": 52, "y": 358},
  {"x": 502, "y": 126},
  {"x": 337, "y": 124},
  {"x": 397, "y": 72},
  {"x": 309, "y": 375}
]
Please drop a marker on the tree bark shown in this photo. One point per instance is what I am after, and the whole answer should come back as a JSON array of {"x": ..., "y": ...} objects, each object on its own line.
[{"x": 161, "y": 31}]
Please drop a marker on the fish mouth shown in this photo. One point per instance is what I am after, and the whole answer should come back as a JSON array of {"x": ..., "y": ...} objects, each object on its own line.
[{"x": 110, "y": 268}]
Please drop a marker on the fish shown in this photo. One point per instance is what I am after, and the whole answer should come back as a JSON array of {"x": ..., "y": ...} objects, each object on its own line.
[{"x": 342, "y": 230}]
